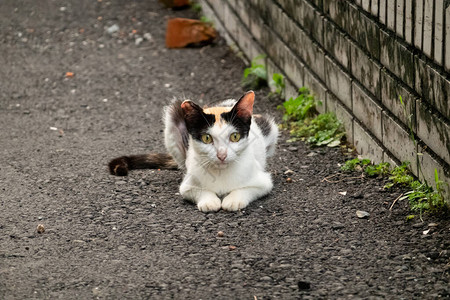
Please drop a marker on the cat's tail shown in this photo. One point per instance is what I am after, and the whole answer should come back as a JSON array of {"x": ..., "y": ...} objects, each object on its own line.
[{"x": 121, "y": 165}]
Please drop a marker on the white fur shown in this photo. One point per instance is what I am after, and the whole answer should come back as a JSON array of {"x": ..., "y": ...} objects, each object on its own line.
[{"x": 240, "y": 180}]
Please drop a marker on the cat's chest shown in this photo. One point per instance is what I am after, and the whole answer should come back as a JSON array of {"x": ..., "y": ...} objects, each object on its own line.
[{"x": 223, "y": 181}]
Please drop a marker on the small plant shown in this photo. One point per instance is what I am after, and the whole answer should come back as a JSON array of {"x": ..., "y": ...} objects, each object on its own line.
[
  {"x": 278, "y": 82},
  {"x": 354, "y": 164},
  {"x": 196, "y": 7},
  {"x": 299, "y": 108},
  {"x": 300, "y": 116},
  {"x": 377, "y": 170},
  {"x": 421, "y": 197},
  {"x": 255, "y": 76},
  {"x": 325, "y": 129},
  {"x": 206, "y": 20},
  {"x": 400, "y": 175}
]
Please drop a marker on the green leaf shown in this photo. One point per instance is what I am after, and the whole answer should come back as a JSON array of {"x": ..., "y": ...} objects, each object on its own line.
[{"x": 334, "y": 143}]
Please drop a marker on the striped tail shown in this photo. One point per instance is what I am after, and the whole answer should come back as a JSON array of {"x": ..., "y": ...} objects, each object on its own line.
[{"x": 121, "y": 165}]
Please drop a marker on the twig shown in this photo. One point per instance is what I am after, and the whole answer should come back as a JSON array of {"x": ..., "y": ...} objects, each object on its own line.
[
  {"x": 390, "y": 208},
  {"x": 326, "y": 178}
]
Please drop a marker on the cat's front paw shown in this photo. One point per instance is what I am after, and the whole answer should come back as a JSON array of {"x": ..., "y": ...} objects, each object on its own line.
[
  {"x": 210, "y": 203},
  {"x": 234, "y": 201}
]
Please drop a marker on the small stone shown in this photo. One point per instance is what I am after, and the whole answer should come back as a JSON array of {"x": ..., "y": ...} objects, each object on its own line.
[
  {"x": 357, "y": 195},
  {"x": 303, "y": 285},
  {"x": 311, "y": 154},
  {"x": 293, "y": 149},
  {"x": 148, "y": 36},
  {"x": 432, "y": 225},
  {"x": 362, "y": 214},
  {"x": 266, "y": 278},
  {"x": 220, "y": 234},
  {"x": 138, "y": 41},
  {"x": 112, "y": 29},
  {"x": 121, "y": 182},
  {"x": 289, "y": 172},
  {"x": 231, "y": 247},
  {"x": 337, "y": 225},
  {"x": 40, "y": 228},
  {"x": 289, "y": 180}
]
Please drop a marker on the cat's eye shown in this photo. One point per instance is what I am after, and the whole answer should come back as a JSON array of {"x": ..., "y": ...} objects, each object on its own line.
[
  {"x": 207, "y": 139},
  {"x": 235, "y": 137}
]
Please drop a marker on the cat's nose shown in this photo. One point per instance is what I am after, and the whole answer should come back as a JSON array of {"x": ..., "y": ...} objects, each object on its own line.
[{"x": 222, "y": 155}]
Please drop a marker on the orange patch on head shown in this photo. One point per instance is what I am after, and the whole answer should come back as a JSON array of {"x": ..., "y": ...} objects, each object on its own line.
[{"x": 216, "y": 111}]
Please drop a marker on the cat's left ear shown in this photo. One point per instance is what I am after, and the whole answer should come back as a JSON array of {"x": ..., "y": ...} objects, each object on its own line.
[{"x": 244, "y": 106}]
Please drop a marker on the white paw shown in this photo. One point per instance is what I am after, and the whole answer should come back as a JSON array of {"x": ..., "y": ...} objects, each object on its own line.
[
  {"x": 234, "y": 201},
  {"x": 207, "y": 204}
]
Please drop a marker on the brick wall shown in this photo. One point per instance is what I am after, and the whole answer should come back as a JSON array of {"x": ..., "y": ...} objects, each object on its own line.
[{"x": 358, "y": 57}]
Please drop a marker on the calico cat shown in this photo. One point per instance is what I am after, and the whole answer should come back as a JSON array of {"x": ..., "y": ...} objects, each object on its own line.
[{"x": 222, "y": 149}]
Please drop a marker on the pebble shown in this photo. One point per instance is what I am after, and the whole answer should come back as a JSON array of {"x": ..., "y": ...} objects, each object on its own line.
[
  {"x": 418, "y": 225},
  {"x": 293, "y": 149},
  {"x": 40, "y": 228},
  {"x": 113, "y": 28},
  {"x": 362, "y": 214},
  {"x": 138, "y": 41},
  {"x": 289, "y": 172},
  {"x": 303, "y": 285},
  {"x": 337, "y": 225},
  {"x": 148, "y": 36},
  {"x": 266, "y": 278},
  {"x": 121, "y": 182},
  {"x": 220, "y": 234}
]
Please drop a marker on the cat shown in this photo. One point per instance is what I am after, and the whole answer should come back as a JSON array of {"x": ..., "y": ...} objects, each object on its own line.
[{"x": 221, "y": 148}]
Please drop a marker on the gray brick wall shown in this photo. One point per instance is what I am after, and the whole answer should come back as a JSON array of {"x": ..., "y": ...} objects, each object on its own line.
[{"x": 358, "y": 57}]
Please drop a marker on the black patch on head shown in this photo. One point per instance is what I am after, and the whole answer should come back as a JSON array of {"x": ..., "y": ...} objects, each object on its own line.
[
  {"x": 177, "y": 116},
  {"x": 263, "y": 124},
  {"x": 197, "y": 122},
  {"x": 242, "y": 125}
]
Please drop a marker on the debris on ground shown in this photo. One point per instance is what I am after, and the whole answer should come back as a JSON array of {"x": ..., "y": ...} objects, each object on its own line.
[{"x": 182, "y": 32}]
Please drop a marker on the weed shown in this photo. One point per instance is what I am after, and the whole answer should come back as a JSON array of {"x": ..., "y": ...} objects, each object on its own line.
[
  {"x": 300, "y": 116},
  {"x": 206, "y": 20},
  {"x": 196, "y": 7},
  {"x": 278, "y": 82},
  {"x": 377, "y": 170},
  {"x": 356, "y": 163},
  {"x": 401, "y": 175},
  {"x": 299, "y": 108},
  {"x": 421, "y": 197},
  {"x": 325, "y": 129},
  {"x": 255, "y": 76}
]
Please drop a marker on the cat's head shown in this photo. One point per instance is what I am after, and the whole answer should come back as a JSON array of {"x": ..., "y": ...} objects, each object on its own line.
[{"x": 219, "y": 133}]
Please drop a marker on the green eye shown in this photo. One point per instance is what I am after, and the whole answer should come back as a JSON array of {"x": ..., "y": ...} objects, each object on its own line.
[
  {"x": 207, "y": 139},
  {"x": 235, "y": 137}
]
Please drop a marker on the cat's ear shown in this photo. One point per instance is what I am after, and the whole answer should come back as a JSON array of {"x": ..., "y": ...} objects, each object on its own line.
[
  {"x": 244, "y": 106},
  {"x": 190, "y": 107}
]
